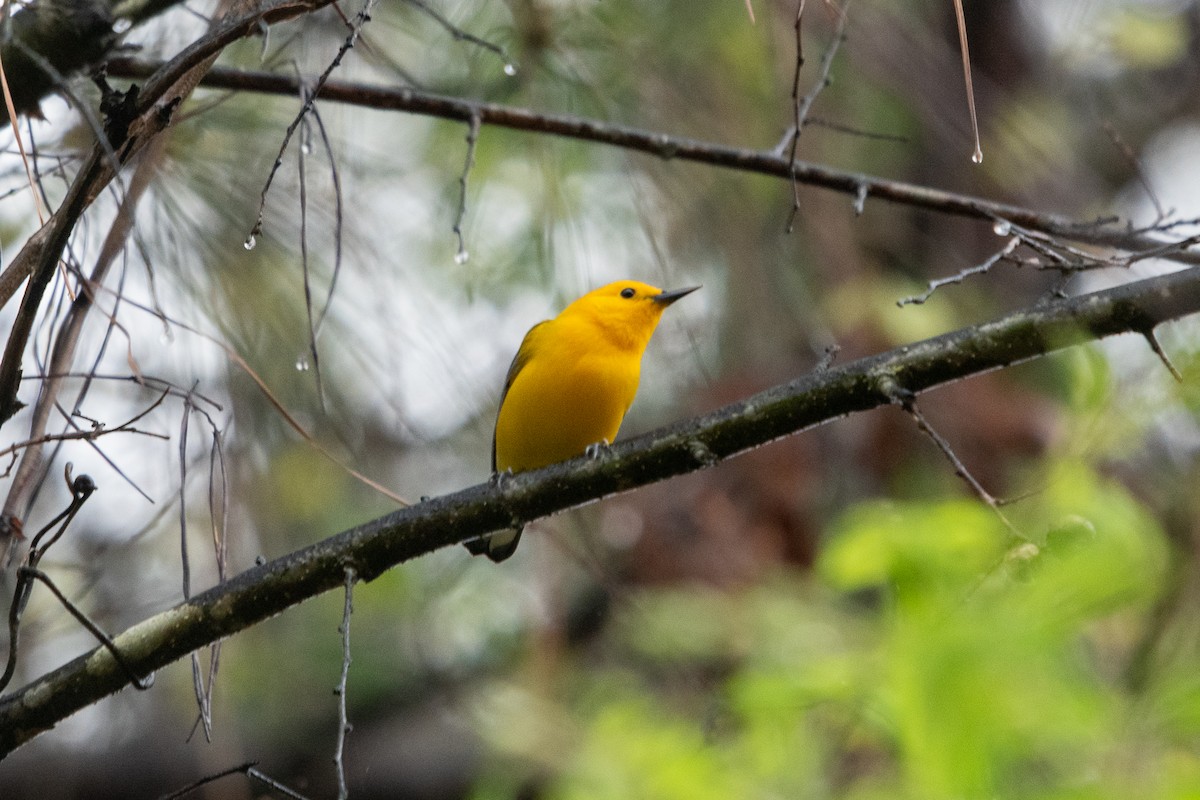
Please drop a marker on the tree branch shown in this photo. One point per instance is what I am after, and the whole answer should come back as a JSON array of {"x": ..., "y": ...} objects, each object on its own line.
[
  {"x": 765, "y": 162},
  {"x": 132, "y": 122},
  {"x": 686, "y": 446}
]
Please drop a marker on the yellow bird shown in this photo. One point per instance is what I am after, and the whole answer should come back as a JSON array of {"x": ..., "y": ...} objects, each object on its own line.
[{"x": 572, "y": 381}]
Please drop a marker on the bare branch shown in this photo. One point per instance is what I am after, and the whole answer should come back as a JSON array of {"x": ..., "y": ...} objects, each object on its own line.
[
  {"x": 977, "y": 155},
  {"x": 183, "y": 791},
  {"x": 765, "y": 162},
  {"x": 1152, "y": 340},
  {"x": 66, "y": 342},
  {"x": 458, "y": 33},
  {"x": 267, "y": 780},
  {"x": 249, "y": 769},
  {"x": 344, "y": 726},
  {"x": 139, "y": 683},
  {"x": 959, "y": 277},
  {"x": 310, "y": 97},
  {"x": 803, "y": 105},
  {"x": 313, "y": 359},
  {"x": 463, "y": 254},
  {"x": 185, "y": 564},
  {"x": 1138, "y": 171},
  {"x": 335, "y": 178},
  {"x": 908, "y": 401}
]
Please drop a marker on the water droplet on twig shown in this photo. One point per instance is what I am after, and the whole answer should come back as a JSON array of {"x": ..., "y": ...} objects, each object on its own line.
[
  {"x": 860, "y": 199},
  {"x": 250, "y": 242},
  {"x": 510, "y": 69}
]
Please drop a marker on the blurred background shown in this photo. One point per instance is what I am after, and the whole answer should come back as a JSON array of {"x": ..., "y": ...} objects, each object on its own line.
[{"x": 833, "y": 615}]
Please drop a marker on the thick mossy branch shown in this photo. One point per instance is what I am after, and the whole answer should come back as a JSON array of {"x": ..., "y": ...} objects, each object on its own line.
[{"x": 686, "y": 446}]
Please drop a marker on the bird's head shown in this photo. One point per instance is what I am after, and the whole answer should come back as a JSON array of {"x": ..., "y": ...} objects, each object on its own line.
[{"x": 627, "y": 311}]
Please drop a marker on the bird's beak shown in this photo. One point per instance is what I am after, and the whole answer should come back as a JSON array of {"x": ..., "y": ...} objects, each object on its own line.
[{"x": 666, "y": 298}]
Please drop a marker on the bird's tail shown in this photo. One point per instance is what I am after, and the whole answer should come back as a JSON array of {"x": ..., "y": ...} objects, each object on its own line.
[{"x": 497, "y": 546}]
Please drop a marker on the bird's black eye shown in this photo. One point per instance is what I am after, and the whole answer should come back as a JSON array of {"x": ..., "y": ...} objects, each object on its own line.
[{"x": 628, "y": 292}]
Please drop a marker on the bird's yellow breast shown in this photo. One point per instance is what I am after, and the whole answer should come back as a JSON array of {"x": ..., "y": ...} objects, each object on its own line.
[{"x": 571, "y": 391}]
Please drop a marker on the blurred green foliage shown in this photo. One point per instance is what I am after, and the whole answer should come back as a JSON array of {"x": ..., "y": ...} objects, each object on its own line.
[{"x": 933, "y": 655}]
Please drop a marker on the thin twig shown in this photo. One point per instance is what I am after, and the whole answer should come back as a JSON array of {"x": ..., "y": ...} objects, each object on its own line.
[
  {"x": 360, "y": 19},
  {"x": 1156, "y": 346},
  {"x": 81, "y": 488},
  {"x": 204, "y": 689},
  {"x": 793, "y": 132},
  {"x": 461, "y": 256},
  {"x": 139, "y": 683},
  {"x": 803, "y": 105},
  {"x": 977, "y": 155},
  {"x": 267, "y": 780},
  {"x": 1138, "y": 171},
  {"x": 203, "y": 695},
  {"x": 1165, "y": 250},
  {"x": 70, "y": 436},
  {"x": 220, "y": 521},
  {"x": 978, "y": 269},
  {"x": 313, "y": 359},
  {"x": 12, "y": 115},
  {"x": 275, "y": 402},
  {"x": 185, "y": 564},
  {"x": 344, "y": 726},
  {"x": 240, "y": 769},
  {"x": 457, "y": 32},
  {"x": 335, "y": 177},
  {"x": 249, "y": 769},
  {"x": 31, "y": 470},
  {"x": 153, "y": 108},
  {"x": 850, "y": 130},
  {"x": 146, "y": 381},
  {"x": 907, "y": 400}
]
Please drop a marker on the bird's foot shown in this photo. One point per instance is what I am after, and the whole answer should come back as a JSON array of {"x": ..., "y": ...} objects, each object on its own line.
[
  {"x": 498, "y": 479},
  {"x": 598, "y": 450}
]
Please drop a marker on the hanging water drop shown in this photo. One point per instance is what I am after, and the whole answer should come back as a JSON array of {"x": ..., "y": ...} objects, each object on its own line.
[
  {"x": 301, "y": 364},
  {"x": 250, "y": 243},
  {"x": 510, "y": 69},
  {"x": 860, "y": 199},
  {"x": 461, "y": 257},
  {"x": 1002, "y": 227}
]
